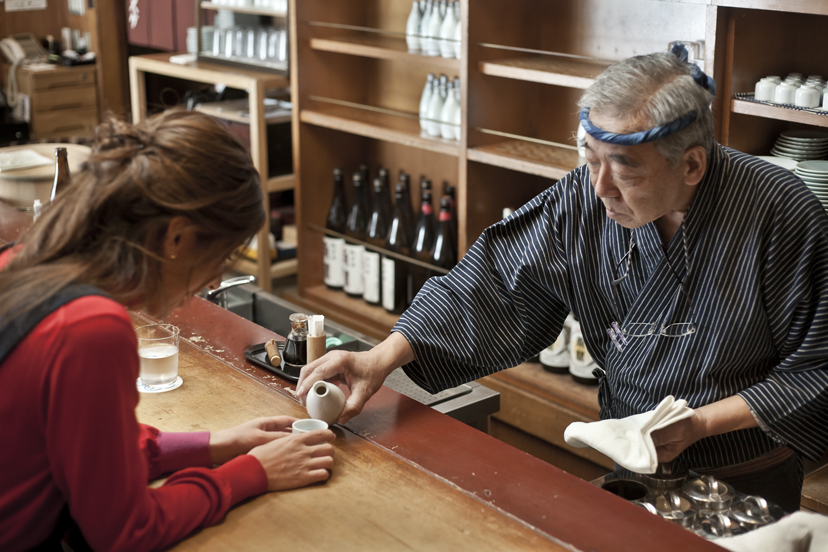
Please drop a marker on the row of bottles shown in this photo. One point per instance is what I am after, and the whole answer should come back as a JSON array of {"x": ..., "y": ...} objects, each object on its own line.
[
  {"x": 376, "y": 276},
  {"x": 440, "y": 111},
  {"x": 433, "y": 28}
]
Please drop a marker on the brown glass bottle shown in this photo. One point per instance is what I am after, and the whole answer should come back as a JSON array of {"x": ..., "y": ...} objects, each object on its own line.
[
  {"x": 451, "y": 192},
  {"x": 444, "y": 250},
  {"x": 407, "y": 208},
  {"x": 62, "y": 175},
  {"x": 376, "y": 235},
  {"x": 334, "y": 247},
  {"x": 356, "y": 228},
  {"x": 396, "y": 273},
  {"x": 423, "y": 240}
]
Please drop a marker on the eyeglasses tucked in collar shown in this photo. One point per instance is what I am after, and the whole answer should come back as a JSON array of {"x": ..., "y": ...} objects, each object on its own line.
[{"x": 618, "y": 334}]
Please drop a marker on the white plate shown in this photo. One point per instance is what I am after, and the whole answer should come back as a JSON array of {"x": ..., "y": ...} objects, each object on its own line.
[
  {"x": 22, "y": 159},
  {"x": 783, "y": 162},
  {"x": 813, "y": 166},
  {"x": 805, "y": 134}
]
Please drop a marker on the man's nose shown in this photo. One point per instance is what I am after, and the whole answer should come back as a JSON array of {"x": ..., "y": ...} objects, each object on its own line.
[{"x": 603, "y": 183}]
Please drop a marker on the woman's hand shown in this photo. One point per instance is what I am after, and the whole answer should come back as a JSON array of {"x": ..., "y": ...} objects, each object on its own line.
[
  {"x": 363, "y": 373},
  {"x": 229, "y": 443},
  {"x": 297, "y": 460}
]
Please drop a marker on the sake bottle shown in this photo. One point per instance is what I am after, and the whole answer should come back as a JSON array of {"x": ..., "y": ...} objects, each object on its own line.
[
  {"x": 457, "y": 116},
  {"x": 458, "y": 35},
  {"x": 407, "y": 208},
  {"x": 423, "y": 239},
  {"x": 451, "y": 192},
  {"x": 425, "y": 100},
  {"x": 425, "y": 25},
  {"x": 447, "y": 114},
  {"x": 412, "y": 28},
  {"x": 396, "y": 273},
  {"x": 386, "y": 192},
  {"x": 62, "y": 176},
  {"x": 376, "y": 235},
  {"x": 356, "y": 228},
  {"x": 434, "y": 24},
  {"x": 334, "y": 247},
  {"x": 444, "y": 249},
  {"x": 435, "y": 108},
  {"x": 447, "y": 29}
]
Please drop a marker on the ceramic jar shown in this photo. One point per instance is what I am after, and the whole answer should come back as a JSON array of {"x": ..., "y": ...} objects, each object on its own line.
[{"x": 325, "y": 402}]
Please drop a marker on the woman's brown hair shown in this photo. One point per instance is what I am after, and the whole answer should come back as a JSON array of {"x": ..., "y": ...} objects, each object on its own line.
[{"x": 107, "y": 228}]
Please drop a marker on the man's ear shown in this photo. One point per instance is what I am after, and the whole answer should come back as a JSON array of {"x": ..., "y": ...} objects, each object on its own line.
[
  {"x": 695, "y": 165},
  {"x": 179, "y": 238}
]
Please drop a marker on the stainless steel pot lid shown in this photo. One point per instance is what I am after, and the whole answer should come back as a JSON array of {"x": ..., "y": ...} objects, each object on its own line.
[
  {"x": 674, "y": 507},
  {"x": 708, "y": 492},
  {"x": 753, "y": 511}
]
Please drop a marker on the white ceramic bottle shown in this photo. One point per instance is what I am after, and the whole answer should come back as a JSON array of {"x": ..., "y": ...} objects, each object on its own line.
[
  {"x": 425, "y": 22},
  {"x": 458, "y": 38},
  {"x": 325, "y": 402},
  {"x": 435, "y": 109},
  {"x": 447, "y": 33},
  {"x": 435, "y": 22},
  {"x": 457, "y": 116},
  {"x": 425, "y": 99},
  {"x": 447, "y": 115},
  {"x": 412, "y": 27}
]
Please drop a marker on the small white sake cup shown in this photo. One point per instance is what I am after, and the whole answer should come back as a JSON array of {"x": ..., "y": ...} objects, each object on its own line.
[
  {"x": 308, "y": 424},
  {"x": 806, "y": 96},
  {"x": 785, "y": 93}
]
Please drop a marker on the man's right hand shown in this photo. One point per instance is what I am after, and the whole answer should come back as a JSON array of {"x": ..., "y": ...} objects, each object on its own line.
[{"x": 363, "y": 372}]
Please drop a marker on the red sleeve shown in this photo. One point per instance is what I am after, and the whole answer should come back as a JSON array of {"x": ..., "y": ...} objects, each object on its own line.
[
  {"x": 93, "y": 441},
  {"x": 167, "y": 452}
]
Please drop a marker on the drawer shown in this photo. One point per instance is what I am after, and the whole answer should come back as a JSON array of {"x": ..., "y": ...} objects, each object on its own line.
[
  {"x": 64, "y": 122},
  {"x": 66, "y": 76},
  {"x": 64, "y": 98}
]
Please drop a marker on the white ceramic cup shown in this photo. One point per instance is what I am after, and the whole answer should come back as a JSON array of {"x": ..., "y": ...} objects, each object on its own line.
[
  {"x": 806, "y": 96},
  {"x": 308, "y": 424},
  {"x": 785, "y": 93},
  {"x": 765, "y": 90},
  {"x": 825, "y": 101},
  {"x": 775, "y": 78}
]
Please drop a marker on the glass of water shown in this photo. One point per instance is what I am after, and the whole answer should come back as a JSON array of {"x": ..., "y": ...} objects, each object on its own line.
[{"x": 158, "y": 352}]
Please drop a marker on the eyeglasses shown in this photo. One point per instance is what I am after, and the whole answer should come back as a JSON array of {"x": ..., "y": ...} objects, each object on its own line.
[{"x": 646, "y": 329}]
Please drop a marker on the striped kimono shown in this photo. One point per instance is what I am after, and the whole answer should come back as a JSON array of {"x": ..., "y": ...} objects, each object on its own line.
[{"x": 757, "y": 245}]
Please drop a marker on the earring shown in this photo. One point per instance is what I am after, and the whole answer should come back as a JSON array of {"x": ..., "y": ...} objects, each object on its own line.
[{"x": 172, "y": 257}]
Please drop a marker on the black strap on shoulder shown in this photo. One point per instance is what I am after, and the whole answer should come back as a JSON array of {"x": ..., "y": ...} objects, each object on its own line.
[{"x": 17, "y": 329}]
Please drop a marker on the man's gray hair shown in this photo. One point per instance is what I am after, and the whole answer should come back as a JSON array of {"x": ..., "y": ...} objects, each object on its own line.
[{"x": 654, "y": 90}]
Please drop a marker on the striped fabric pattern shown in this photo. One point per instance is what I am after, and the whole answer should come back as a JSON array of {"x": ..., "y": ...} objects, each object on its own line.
[{"x": 757, "y": 243}]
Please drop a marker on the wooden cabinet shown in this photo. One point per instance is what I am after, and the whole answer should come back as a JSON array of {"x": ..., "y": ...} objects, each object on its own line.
[
  {"x": 523, "y": 67},
  {"x": 64, "y": 100}
]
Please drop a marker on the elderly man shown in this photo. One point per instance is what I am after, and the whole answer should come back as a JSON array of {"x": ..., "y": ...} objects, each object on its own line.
[{"x": 694, "y": 270}]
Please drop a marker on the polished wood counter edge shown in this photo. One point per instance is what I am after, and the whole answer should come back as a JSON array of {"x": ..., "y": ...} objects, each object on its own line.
[{"x": 533, "y": 491}]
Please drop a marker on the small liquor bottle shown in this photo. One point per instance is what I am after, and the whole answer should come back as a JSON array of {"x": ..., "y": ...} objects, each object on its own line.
[
  {"x": 296, "y": 346},
  {"x": 377, "y": 233},
  {"x": 444, "y": 250},
  {"x": 356, "y": 228},
  {"x": 396, "y": 273},
  {"x": 62, "y": 176},
  {"x": 423, "y": 240},
  {"x": 334, "y": 256}
]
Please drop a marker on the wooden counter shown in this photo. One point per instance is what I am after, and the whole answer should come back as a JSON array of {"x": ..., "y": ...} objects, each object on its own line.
[{"x": 405, "y": 476}]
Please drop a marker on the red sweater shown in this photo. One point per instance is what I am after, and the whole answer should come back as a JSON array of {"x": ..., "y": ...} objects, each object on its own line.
[{"x": 69, "y": 434}]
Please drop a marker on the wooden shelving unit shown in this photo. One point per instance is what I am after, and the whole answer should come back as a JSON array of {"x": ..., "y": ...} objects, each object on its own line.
[
  {"x": 380, "y": 46},
  {"x": 526, "y": 157},
  {"x": 553, "y": 70},
  {"x": 778, "y": 113},
  {"x": 242, "y": 9}
]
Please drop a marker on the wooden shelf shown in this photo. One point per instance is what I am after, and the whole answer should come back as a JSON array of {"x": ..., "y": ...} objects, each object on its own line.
[
  {"x": 572, "y": 73},
  {"x": 527, "y": 157},
  {"x": 778, "y": 113},
  {"x": 380, "y": 47},
  {"x": 280, "y": 183},
  {"x": 279, "y": 269},
  {"x": 380, "y": 126},
  {"x": 793, "y": 6},
  {"x": 246, "y": 9}
]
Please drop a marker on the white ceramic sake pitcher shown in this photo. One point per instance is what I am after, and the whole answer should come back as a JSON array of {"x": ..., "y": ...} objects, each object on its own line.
[{"x": 325, "y": 402}]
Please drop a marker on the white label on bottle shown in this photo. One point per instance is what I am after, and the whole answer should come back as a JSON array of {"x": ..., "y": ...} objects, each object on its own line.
[
  {"x": 334, "y": 261},
  {"x": 353, "y": 269},
  {"x": 371, "y": 267},
  {"x": 388, "y": 290}
]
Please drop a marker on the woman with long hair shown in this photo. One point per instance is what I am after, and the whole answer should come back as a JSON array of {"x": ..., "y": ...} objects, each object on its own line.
[{"x": 148, "y": 221}]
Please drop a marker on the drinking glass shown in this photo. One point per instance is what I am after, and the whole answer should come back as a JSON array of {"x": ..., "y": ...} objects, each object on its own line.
[{"x": 158, "y": 352}]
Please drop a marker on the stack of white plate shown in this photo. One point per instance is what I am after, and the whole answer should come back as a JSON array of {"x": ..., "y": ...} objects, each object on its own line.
[
  {"x": 815, "y": 175},
  {"x": 192, "y": 40},
  {"x": 802, "y": 145}
]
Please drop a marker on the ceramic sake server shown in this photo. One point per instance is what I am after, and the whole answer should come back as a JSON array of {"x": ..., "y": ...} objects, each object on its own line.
[{"x": 325, "y": 402}]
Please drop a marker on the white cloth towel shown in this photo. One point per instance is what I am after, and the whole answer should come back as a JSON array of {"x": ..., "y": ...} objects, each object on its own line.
[
  {"x": 798, "y": 532},
  {"x": 628, "y": 441}
]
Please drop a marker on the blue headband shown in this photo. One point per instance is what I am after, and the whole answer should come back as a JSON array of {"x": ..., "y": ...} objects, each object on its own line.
[{"x": 659, "y": 132}]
